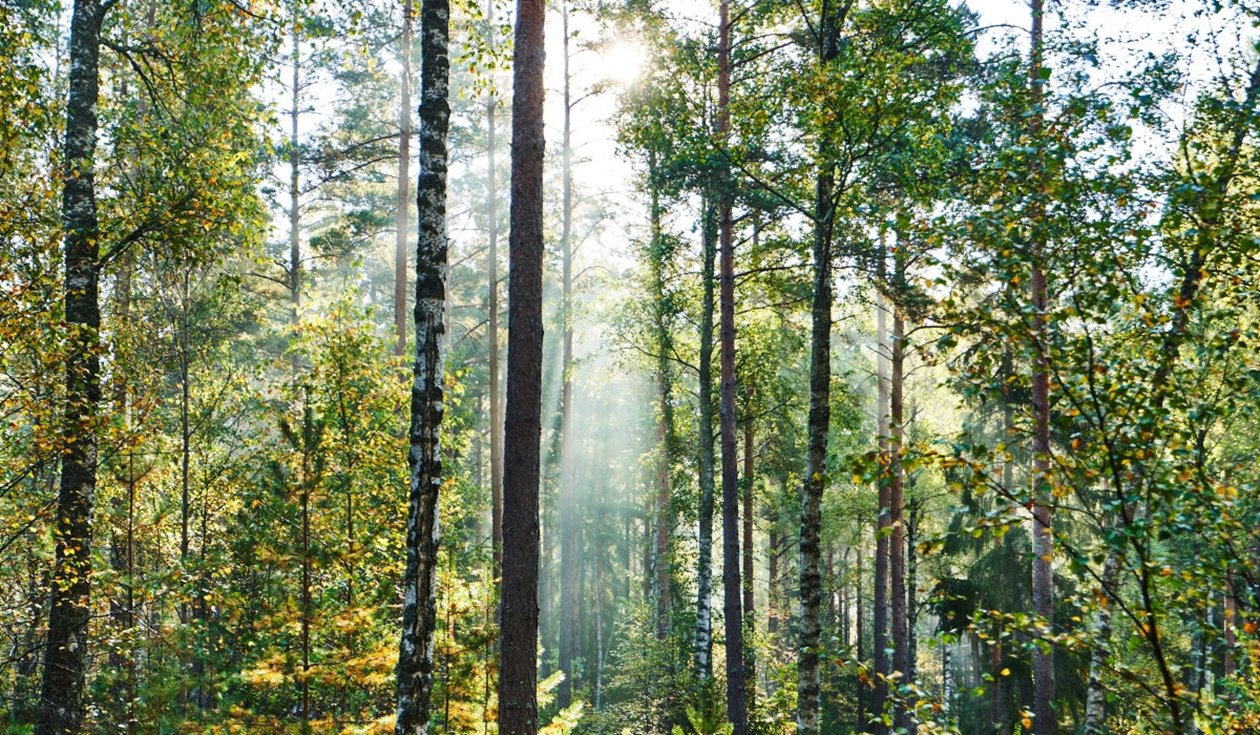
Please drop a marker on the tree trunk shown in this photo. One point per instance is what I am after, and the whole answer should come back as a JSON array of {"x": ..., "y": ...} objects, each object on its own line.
[
  {"x": 415, "y": 659},
  {"x": 809, "y": 678},
  {"x": 1042, "y": 531},
  {"x": 295, "y": 162},
  {"x": 896, "y": 497},
  {"x": 736, "y": 707},
  {"x": 860, "y": 631},
  {"x": 65, "y": 655},
  {"x": 1096, "y": 691},
  {"x": 750, "y": 600},
  {"x": 401, "y": 221},
  {"x": 704, "y": 567},
  {"x": 492, "y": 319},
  {"x": 122, "y": 658},
  {"x": 912, "y": 582},
  {"x": 569, "y": 558},
  {"x": 518, "y": 702},
  {"x": 882, "y": 532},
  {"x": 772, "y": 583},
  {"x": 307, "y": 612}
]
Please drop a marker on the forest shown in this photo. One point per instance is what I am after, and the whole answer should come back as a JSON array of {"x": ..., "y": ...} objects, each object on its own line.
[{"x": 630, "y": 367}]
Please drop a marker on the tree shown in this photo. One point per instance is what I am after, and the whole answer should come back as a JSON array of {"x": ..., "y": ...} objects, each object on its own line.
[
  {"x": 404, "y": 184},
  {"x": 518, "y": 702},
  {"x": 736, "y": 686},
  {"x": 1042, "y": 532},
  {"x": 415, "y": 659},
  {"x": 65, "y": 654},
  {"x": 808, "y": 677}
]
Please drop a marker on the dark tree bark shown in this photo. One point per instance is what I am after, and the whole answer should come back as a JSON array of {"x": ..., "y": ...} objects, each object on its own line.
[
  {"x": 518, "y": 702},
  {"x": 704, "y": 567},
  {"x": 570, "y": 562},
  {"x": 401, "y": 222},
  {"x": 65, "y": 655},
  {"x": 736, "y": 685},
  {"x": 415, "y": 659}
]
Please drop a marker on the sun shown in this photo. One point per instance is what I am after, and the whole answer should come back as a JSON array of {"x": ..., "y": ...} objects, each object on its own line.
[{"x": 621, "y": 62}]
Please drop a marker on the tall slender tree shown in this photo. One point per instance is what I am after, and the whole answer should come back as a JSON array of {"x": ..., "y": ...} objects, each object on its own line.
[
  {"x": 401, "y": 216},
  {"x": 570, "y": 561},
  {"x": 518, "y": 698},
  {"x": 704, "y": 433},
  {"x": 809, "y": 680},
  {"x": 1042, "y": 498},
  {"x": 736, "y": 687},
  {"x": 65, "y": 653},
  {"x": 415, "y": 659},
  {"x": 492, "y": 318}
]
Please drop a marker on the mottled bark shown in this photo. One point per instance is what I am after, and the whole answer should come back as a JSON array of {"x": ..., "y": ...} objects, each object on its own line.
[
  {"x": 424, "y": 459},
  {"x": 704, "y": 567},
  {"x": 747, "y": 576},
  {"x": 403, "y": 203},
  {"x": 808, "y": 678},
  {"x": 65, "y": 654},
  {"x": 664, "y": 416},
  {"x": 1096, "y": 690},
  {"x": 518, "y": 702}
]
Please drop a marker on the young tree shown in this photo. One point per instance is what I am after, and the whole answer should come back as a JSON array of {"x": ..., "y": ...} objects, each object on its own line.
[
  {"x": 401, "y": 216},
  {"x": 1042, "y": 498}
]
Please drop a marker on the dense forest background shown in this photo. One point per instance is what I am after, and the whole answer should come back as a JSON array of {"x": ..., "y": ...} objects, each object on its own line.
[{"x": 900, "y": 366}]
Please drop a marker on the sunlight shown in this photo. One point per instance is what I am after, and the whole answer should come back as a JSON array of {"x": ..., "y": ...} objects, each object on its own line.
[{"x": 621, "y": 62}]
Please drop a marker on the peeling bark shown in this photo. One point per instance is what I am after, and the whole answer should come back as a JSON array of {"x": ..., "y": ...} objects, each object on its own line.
[{"x": 415, "y": 660}]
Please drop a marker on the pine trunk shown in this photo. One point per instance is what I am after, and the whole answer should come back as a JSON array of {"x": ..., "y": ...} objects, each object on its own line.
[
  {"x": 733, "y": 618},
  {"x": 415, "y": 659},
  {"x": 65, "y": 654},
  {"x": 518, "y": 700}
]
